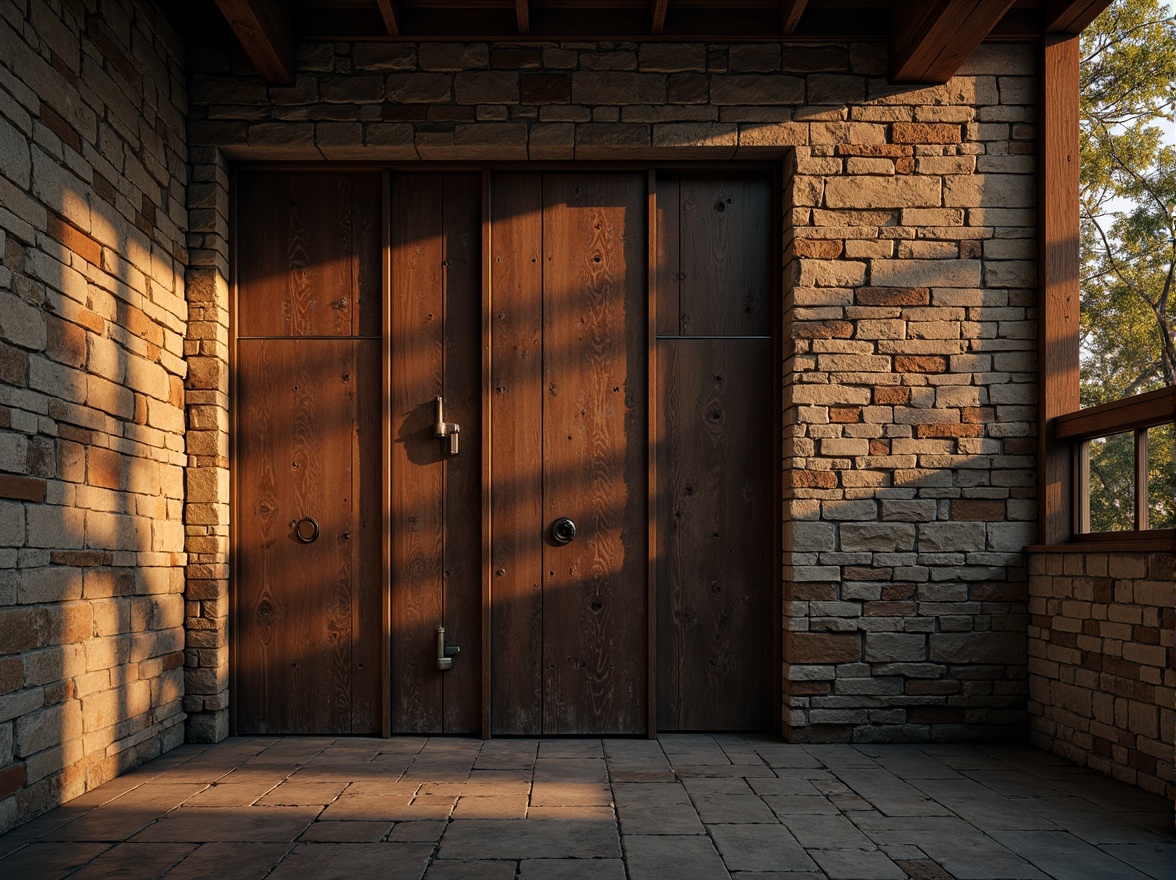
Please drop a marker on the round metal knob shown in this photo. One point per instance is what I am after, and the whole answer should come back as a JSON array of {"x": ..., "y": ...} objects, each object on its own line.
[
  {"x": 563, "y": 530},
  {"x": 306, "y": 530}
]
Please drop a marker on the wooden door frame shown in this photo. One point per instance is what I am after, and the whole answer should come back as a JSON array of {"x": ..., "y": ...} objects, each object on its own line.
[{"x": 773, "y": 169}]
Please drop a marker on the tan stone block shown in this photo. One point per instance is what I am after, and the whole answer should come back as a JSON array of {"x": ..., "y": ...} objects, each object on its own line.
[
  {"x": 610, "y": 88},
  {"x": 846, "y": 133},
  {"x": 1123, "y": 566},
  {"x": 925, "y": 273},
  {"x": 882, "y": 192},
  {"x": 825, "y": 395},
  {"x": 869, "y": 166},
  {"x": 883, "y": 329},
  {"x": 487, "y": 87},
  {"x": 108, "y": 397},
  {"x": 926, "y": 133},
  {"x": 104, "y": 468},
  {"x": 50, "y": 584},
  {"x": 807, "y": 191},
  {"x": 832, "y": 273},
  {"x": 696, "y": 134},
  {"x": 865, "y": 249},
  {"x": 990, "y": 191},
  {"x": 800, "y": 647}
]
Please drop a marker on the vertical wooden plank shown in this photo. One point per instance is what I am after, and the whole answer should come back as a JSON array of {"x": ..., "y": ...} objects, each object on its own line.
[
  {"x": 716, "y": 507},
  {"x": 385, "y": 460},
  {"x": 367, "y": 684},
  {"x": 295, "y": 254},
  {"x": 485, "y": 451},
  {"x": 367, "y": 252},
  {"x": 654, "y": 270},
  {"x": 463, "y": 473},
  {"x": 726, "y": 233},
  {"x": 295, "y": 599},
  {"x": 1059, "y": 266},
  {"x": 777, "y": 415},
  {"x": 417, "y": 467},
  {"x": 665, "y": 245},
  {"x": 594, "y": 625},
  {"x": 516, "y": 367}
]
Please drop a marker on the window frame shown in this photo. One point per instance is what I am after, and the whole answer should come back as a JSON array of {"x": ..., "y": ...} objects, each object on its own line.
[{"x": 1063, "y": 426}]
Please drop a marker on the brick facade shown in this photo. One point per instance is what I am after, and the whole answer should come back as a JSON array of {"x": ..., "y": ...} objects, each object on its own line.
[
  {"x": 1102, "y": 682},
  {"x": 909, "y": 281},
  {"x": 93, "y": 214}
]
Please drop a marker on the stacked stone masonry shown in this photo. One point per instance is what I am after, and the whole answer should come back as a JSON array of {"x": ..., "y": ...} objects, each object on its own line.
[
  {"x": 93, "y": 215},
  {"x": 1102, "y": 676},
  {"x": 909, "y": 323}
]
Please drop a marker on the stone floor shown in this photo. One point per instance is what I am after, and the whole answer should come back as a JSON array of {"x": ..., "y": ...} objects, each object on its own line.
[{"x": 680, "y": 808}]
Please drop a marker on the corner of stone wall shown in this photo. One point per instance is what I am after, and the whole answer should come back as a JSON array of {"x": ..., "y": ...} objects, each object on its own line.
[
  {"x": 1102, "y": 684},
  {"x": 206, "y": 512}
]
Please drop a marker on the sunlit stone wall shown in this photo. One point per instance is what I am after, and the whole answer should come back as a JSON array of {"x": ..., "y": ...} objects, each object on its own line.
[{"x": 93, "y": 217}]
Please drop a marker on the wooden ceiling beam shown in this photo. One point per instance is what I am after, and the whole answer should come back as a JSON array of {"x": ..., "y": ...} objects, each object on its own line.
[
  {"x": 790, "y": 13},
  {"x": 657, "y": 15},
  {"x": 391, "y": 15},
  {"x": 930, "y": 41},
  {"x": 262, "y": 27},
  {"x": 523, "y": 17},
  {"x": 1071, "y": 16}
]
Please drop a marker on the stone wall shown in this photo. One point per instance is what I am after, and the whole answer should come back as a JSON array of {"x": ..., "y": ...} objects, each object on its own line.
[
  {"x": 910, "y": 236},
  {"x": 92, "y": 321},
  {"x": 1102, "y": 676}
]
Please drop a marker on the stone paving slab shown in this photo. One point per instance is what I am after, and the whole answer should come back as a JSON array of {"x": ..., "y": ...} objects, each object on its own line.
[
  {"x": 686, "y": 807},
  {"x": 135, "y": 860},
  {"x": 1064, "y": 857},
  {"x": 1157, "y": 862},
  {"x": 759, "y": 848},
  {"x": 230, "y": 861},
  {"x": 354, "y": 861},
  {"x": 656, "y": 857},
  {"x": 259, "y": 825},
  {"x": 841, "y": 864},
  {"x": 474, "y": 869},
  {"x": 529, "y": 839}
]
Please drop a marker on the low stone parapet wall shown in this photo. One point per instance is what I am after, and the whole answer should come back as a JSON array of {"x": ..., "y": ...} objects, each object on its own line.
[{"x": 1101, "y": 675}]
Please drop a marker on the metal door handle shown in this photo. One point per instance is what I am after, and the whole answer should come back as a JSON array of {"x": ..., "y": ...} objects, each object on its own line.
[
  {"x": 443, "y": 429},
  {"x": 563, "y": 530},
  {"x": 306, "y": 529},
  {"x": 445, "y": 653}
]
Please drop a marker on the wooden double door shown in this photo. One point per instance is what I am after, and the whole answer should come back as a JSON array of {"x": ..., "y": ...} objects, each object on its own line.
[{"x": 517, "y": 307}]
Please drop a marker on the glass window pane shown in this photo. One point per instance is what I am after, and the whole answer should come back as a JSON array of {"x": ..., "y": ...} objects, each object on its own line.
[
  {"x": 1112, "y": 483},
  {"x": 1161, "y": 477}
]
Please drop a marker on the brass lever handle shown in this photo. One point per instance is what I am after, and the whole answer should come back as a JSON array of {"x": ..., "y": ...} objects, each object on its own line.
[{"x": 443, "y": 429}]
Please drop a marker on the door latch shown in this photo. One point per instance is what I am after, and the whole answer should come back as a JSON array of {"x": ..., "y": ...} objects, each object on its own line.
[
  {"x": 445, "y": 653},
  {"x": 443, "y": 429}
]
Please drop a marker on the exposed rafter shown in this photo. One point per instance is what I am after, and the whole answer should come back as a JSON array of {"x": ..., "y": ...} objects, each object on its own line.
[
  {"x": 1071, "y": 16},
  {"x": 523, "y": 17},
  {"x": 391, "y": 15},
  {"x": 657, "y": 15},
  {"x": 262, "y": 28},
  {"x": 790, "y": 13},
  {"x": 929, "y": 41}
]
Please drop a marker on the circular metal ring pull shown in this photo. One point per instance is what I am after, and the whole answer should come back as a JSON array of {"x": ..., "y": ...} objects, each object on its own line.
[
  {"x": 563, "y": 530},
  {"x": 306, "y": 530}
]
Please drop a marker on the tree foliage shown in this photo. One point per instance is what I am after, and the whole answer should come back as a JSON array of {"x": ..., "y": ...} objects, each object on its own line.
[{"x": 1128, "y": 235}]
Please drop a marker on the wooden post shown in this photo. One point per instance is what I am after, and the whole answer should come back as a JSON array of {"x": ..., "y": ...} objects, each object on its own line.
[{"x": 1059, "y": 266}]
